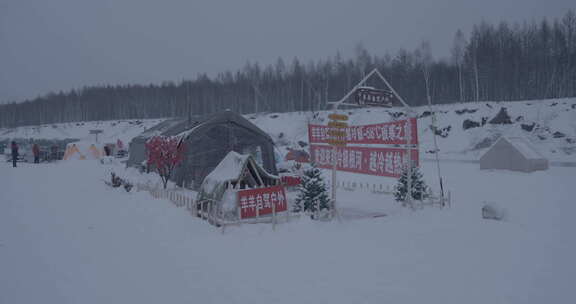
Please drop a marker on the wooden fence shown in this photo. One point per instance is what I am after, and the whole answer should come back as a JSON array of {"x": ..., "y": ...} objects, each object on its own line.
[
  {"x": 368, "y": 187},
  {"x": 210, "y": 211},
  {"x": 179, "y": 200},
  {"x": 207, "y": 210},
  {"x": 431, "y": 200}
]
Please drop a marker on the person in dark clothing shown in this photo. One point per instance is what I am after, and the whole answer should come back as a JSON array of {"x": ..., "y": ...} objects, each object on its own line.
[
  {"x": 14, "y": 154},
  {"x": 107, "y": 150},
  {"x": 53, "y": 153},
  {"x": 36, "y": 152}
]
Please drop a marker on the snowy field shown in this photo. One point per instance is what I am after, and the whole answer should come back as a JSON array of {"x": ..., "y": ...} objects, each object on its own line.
[
  {"x": 113, "y": 130},
  {"x": 65, "y": 237}
]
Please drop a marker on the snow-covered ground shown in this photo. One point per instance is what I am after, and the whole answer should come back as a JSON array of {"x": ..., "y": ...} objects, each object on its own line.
[
  {"x": 113, "y": 130},
  {"x": 65, "y": 237}
]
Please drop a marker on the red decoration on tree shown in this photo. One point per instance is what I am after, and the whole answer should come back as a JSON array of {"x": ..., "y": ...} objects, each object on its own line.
[{"x": 164, "y": 154}]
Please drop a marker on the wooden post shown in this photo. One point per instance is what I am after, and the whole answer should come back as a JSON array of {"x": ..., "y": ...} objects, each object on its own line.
[
  {"x": 205, "y": 210},
  {"x": 273, "y": 217},
  {"x": 287, "y": 213},
  {"x": 239, "y": 213},
  {"x": 257, "y": 212}
]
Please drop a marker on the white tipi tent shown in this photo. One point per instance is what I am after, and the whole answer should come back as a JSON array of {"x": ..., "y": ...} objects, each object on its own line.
[{"x": 513, "y": 153}]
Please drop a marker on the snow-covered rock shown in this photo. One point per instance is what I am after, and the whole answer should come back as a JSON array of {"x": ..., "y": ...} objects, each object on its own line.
[{"x": 493, "y": 211}]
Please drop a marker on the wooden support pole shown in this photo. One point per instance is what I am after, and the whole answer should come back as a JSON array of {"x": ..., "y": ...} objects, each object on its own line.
[{"x": 273, "y": 216}]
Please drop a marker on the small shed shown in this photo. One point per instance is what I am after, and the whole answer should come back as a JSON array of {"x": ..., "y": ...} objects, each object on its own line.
[
  {"x": 513, "y": 153},
  {"x": 235, "y": 172}
]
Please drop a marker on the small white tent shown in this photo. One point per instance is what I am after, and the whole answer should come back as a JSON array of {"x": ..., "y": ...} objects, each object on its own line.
[
  {"x": 513, "y": 153},
  {"x": 83, "y": 150}
]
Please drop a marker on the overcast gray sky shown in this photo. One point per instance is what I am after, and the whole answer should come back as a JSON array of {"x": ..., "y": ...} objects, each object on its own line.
[{"x": 52, "y": 45}]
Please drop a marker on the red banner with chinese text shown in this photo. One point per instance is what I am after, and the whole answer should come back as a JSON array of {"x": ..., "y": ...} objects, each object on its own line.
[
  {"x": 389, "y": 133},
  {"x": 261, "y": 198},
  {"x": 364, "y": 160}
]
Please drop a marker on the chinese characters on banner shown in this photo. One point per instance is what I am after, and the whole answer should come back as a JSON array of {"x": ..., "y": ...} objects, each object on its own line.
[
  {"x": 390, "y": 133},
  {"x": 373, "y": 161},
  {"x": 261, "y": 198},
  {"x": 366, "y": 96}
]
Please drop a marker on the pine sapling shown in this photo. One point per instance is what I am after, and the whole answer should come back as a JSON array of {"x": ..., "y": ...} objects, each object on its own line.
[
  {"x": 312, "y": 192},
  {"x": 419, "y": 187}
]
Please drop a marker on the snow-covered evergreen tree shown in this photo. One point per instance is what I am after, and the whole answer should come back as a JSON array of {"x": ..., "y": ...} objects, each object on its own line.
[
  {"x": 313, "y": 192},
  {"x": 419, "y": 187}
]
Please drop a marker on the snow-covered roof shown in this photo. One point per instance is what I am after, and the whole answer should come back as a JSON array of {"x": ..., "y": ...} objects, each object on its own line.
[
  {"x": 230, "y": 168},
  {"x": 524, "y": 147},
  {"x": 227, "y": 116},
  {"x": 189, "y": 131},
  {"x": 162, "y": 128},
  {"x": 183, "y": 127}
]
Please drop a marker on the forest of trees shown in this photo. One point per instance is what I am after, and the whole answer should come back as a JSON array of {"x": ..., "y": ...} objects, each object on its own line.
[{"x": 533, "y": 60}]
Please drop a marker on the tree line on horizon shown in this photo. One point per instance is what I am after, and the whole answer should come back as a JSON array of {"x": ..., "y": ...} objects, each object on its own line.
[{"x": 503, "y": 62}]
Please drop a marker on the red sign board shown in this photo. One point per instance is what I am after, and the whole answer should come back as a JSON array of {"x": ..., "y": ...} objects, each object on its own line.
[
  {"x": 364, "y": 160},
  {"x": 390, "y": 133},
  {"x": 261, "y": 199}
]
